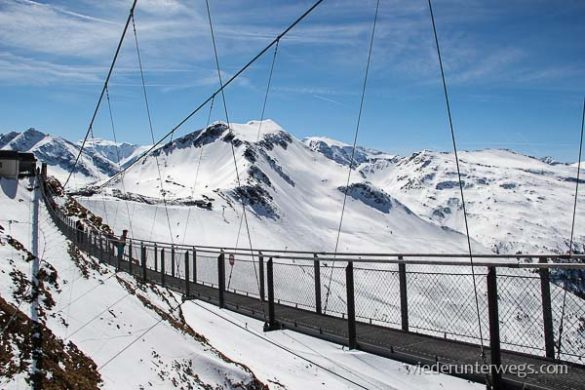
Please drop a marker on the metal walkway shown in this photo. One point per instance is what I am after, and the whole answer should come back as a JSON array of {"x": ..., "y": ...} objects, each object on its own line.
[{"x": 402, "y": 346}]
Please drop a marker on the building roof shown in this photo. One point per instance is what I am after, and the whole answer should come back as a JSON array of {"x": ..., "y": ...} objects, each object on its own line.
[{"x": 15, "y": 155}]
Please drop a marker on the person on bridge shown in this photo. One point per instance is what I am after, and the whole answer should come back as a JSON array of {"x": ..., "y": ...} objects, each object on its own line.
[{"x": 121, "y": 243}]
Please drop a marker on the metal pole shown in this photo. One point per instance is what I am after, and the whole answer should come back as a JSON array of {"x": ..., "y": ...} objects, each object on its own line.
[
  {"x": 130, "y": 257},
  {"x": 221, "y": 278},
  {"x": 143, "y": 260},
  {"x": 495, "y": 354},
  {"x": 162, "y": 266},
  {"x": 155, "y": 257},
  {"x": 194, "y": 265},
  {"x": 317, "y": 267},
  {"x": 403, "y": 295},
  {"x": 173, "y": 261},
  {"x": 187, "y": 274},
  {"x": 549, "y": 342},
  {"x": 271, "y": 324},
  {"x": 351, "y": 327},
  {"x": 261, "y": 272}
]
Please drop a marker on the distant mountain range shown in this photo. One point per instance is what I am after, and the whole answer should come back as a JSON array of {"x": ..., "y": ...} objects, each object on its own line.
[
  {"x": 295, "y": 188},
  {"x": 98, "y": 161}
]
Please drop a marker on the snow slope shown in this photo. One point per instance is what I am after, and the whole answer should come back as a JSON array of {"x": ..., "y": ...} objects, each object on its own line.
[
  {"x": 196, "y": 346},
  {"x": 100, "y": 312},
  {"x": 515, "y": 203}
]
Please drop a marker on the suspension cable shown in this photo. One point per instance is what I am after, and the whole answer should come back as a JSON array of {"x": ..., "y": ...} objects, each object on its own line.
[
  {"x": 561, "y": 324},
  {"x": 147, "y": 106},
  {"x": 259, "y": 133},
  {"x": 451, "y": 127},
  {"x": 118, "y": 163},
  {"x": 90, "y": 127},
  {"x": 219, "y": 90},
  {"x": 197, "y": 171},
  {"x": 232, "y": 136},
  {"x": 577, "y": 182},
  {"x": 355, "y": 138}
]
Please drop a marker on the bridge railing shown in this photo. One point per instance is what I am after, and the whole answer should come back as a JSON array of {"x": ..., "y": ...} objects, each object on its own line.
[{"x": 528, "y": 304}]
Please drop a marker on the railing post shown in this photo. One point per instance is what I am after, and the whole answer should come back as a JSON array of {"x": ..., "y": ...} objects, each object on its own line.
[
  {"x": 143, "y": 260},
  {"x": 101, "y": 248},
  {"x": 549, "y": 342},
  {"x": 317, "y": 267},
  {"x": 173, "y": 261},
  {"x": 271, "y": 324},
  {"x": 194, "y": 265},
  {"x": 261, "y": 272},
  {"x": 351, "y": 329},
  {"x": 162, "y": 266},
  {"x": 155, "y": 257},
  {"x": 187, "y": 274},
  {"x": 130, "y": 257},
  {"x": 403, "y": 294},
  {"x": 221, "y": 277},
  {"x": 496, "y": 358},
  {"x": 118, "y": 256}
]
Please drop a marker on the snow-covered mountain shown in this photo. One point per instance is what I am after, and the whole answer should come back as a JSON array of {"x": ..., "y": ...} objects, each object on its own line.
[
  {"x": 60, "y": 155},
  {"x": 342, "y": 153},
  {"x": 294, "y": 194},
  {"x": 516, "y": 203},
  {"x": 121, "y": 152},
  {"x": 295, "y": 190}
]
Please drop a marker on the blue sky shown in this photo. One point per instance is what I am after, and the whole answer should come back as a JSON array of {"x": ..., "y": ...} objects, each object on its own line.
[{"x": 515, "y": 69}]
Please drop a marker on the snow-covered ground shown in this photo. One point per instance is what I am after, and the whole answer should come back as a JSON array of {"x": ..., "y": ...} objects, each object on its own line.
[{"x": 129, "y": 336}]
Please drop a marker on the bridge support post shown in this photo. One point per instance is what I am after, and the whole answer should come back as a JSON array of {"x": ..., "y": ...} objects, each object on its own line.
[
  {"x": 143, "y": 260},
  {"x": 317, "y": 268},
  {"x": 221, "y": 278},
  {"x": 261, "y": 272},
  {"x": 271, "y": 324},
  {"x": 162, "y": 266},
  {"x": 403, "y": 294},
  {"x": 118, "y": 256},
  {"x": 495, "y": 354},
  {"x": 194, "y": 265},
  {"x": 187, "y": 293},
  {"x": 130, "y": 257},
  {"x": 155, "y": 258},
  {"x": 549, "y": 342},
  {"x": 351, "y": 327},
  {"x": 173, "y": 261}
]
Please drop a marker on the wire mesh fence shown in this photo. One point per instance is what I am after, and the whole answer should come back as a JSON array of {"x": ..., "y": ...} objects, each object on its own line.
[
  {"x": 243, "y": 276},
  {"x": 333, "y": 287},
  {"x": 207, "y": 272},
  {"x": 568, "y": 313},
  {"x": 377, "y": 295},
  {"x": 520, "y": 311},
  {"x": 294, "y": 284},
  {"x": 441, "y": 302}
]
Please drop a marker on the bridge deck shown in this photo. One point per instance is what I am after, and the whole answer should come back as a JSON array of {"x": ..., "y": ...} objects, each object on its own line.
[{"x": 396, "y": 344}]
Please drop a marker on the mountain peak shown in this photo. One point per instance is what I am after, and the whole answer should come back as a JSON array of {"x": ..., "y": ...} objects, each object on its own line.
[{"x": 342, "y": 153}]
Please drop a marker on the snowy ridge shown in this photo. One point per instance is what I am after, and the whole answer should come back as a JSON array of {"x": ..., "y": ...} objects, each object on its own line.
[
  {"x": 122, "y": 152},
  {"x": 60, "y": 155}
]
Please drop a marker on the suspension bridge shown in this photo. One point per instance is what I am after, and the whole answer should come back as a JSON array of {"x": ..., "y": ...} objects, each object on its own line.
[{"x": 415, "y": 308}]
